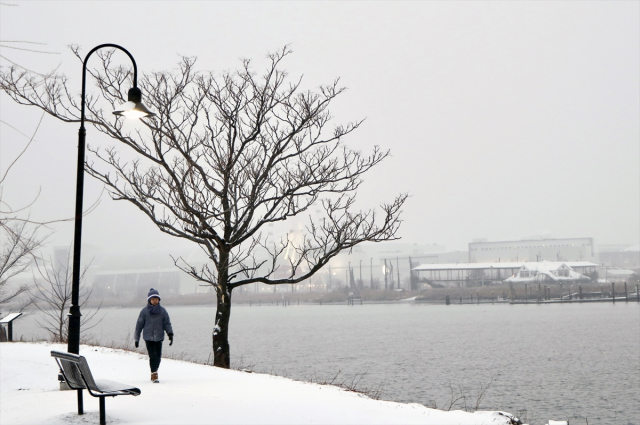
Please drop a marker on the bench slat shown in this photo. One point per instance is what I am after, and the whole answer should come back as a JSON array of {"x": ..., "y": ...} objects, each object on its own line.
[{"x": 105, "y": 385}]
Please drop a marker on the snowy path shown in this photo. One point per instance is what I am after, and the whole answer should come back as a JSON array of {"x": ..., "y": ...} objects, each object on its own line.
[{"x": 191, "y": 394}]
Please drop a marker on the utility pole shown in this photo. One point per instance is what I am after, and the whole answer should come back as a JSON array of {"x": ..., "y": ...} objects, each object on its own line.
[
  {"x": 411, "y": 285},
  {"x": 398, "y": 267},
  {"x": 371, "y": 271}
]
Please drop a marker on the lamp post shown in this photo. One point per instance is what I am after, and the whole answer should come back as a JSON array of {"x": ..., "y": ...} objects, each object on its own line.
[{"x": 132, "y": 109}]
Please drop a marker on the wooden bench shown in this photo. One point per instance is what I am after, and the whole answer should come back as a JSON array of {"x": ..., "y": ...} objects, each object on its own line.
[{"x": 76, "y": 373}]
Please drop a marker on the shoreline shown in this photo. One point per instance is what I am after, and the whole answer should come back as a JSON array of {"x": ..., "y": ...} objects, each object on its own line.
[{"x": 194, "y": 391}]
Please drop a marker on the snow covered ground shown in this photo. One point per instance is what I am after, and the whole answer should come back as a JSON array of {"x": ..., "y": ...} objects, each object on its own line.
[{"x": 189, "y": 393}]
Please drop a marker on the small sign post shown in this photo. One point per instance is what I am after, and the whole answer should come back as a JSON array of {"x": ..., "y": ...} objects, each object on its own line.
[{"x": 8, "y": 320}]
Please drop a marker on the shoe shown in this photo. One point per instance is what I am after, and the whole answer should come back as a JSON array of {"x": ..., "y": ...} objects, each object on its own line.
[{"x": 154, "y": 378}]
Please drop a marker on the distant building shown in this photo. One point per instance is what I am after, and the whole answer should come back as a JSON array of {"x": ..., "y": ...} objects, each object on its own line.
[
  {"x": 548, "y": 271},
  {"x": 477, "y": 274},
  {"x": 608, "y": 275},
  {"x": 129, "y": 274},
  {"x": 623, "y": 256},
  {"x": 557, "y": 250}
]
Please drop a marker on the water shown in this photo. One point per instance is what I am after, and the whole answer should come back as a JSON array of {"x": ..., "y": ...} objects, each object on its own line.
[{"x": 564, "y": 361}]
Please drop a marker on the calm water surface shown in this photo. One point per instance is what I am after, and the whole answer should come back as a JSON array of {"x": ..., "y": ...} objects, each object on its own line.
[{"x": 578, "y": 362}]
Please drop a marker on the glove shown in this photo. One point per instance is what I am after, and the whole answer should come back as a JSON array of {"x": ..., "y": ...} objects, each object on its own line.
[
  {"x": 137, "y": 344},
  {"x": 170, "y": 339}
]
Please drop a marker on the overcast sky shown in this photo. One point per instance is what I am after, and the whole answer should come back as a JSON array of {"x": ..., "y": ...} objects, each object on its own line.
[{"x": 504, "y": 119}]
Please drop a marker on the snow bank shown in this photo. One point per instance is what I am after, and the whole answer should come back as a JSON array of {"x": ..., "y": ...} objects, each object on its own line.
[{"x": 192, "y": 394}]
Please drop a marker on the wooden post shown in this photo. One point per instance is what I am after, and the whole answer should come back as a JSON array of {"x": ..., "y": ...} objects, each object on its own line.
[
  {"x": 526, "y": 293},
  {"x": 601, "y": 291},
  {"x": 460, "y": 299},
  {"x": 626, "y": 296},
  {"x": 637, "y": 294},
  {"x": 539, "y": 290},
  {"x": 447, "y": 300},
  {"x": 580, "y": 289},
  {"x": 613, "y": 291},
  {"x": 10, "y": 331},
  {"x": 561, "y": 292},
  {"x": 478, "y": 297},
  {"x": 491, "y": 297}
]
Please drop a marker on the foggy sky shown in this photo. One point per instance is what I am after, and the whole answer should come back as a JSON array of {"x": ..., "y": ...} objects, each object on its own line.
[{"x": 504, "y": 119}]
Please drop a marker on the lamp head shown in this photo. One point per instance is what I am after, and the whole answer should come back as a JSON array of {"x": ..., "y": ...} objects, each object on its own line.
[{"x": 134, "y": 108}]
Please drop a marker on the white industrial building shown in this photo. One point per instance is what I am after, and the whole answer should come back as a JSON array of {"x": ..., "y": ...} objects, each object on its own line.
[
  {"x": 557, "y": 250},
  {"x": 476, "y": 274}
]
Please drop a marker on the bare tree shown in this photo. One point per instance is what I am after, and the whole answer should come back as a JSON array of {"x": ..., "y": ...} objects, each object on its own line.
[
  {"x": 52, "y": 296},
  {"x": 18, "y": 245},
  {"x": 19, "y": 239},
  {"x": 19, "y": 45},
  {"x": 224, "y": 157}
]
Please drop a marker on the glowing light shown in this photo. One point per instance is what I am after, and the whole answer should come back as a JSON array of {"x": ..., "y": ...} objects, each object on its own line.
[{"x": 131, "y": 110}]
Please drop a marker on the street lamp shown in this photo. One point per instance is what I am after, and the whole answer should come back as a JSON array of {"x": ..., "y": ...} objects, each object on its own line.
[{"x": 134, "y": 108}]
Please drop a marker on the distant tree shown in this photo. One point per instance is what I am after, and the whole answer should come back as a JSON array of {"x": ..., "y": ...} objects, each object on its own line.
[
  {"x": 226, "y": 155},
  {"x": 477, "y": 276},
  {"x": 19, "y": 241},
  {"x": 20, "y": 238},
  {"x": 52, "y": 296}
]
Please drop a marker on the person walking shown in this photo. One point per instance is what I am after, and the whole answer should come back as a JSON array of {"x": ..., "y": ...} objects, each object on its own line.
[{"x": 153, "y": 321}]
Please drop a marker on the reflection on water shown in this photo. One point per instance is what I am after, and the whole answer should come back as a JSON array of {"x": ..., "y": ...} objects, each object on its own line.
[{"x": 555, "y": 361}]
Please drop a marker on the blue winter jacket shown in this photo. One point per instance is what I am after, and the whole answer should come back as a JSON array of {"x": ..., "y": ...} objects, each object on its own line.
[{"x": 154, "y": 325}]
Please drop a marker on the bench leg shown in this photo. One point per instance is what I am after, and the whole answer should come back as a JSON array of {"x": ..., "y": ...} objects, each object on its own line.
[
  {"x": 103, "y": 416},
  {"x": 80, "y": 404}
]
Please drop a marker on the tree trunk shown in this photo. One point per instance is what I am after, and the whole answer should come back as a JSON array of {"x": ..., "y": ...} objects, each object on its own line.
[{"x": 221, "y": 356}]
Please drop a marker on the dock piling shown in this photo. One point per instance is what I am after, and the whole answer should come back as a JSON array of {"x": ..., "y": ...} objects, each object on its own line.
[
  {"x": 613, "y": 291},
  {"x": 539, "y": 292}
]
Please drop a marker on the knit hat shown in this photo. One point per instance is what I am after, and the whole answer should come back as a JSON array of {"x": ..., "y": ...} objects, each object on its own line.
[{"x": 153, "y": 293}]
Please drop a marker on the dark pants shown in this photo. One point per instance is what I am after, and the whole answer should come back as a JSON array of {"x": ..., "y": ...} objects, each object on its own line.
[{"x": 154, "y": 348}]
